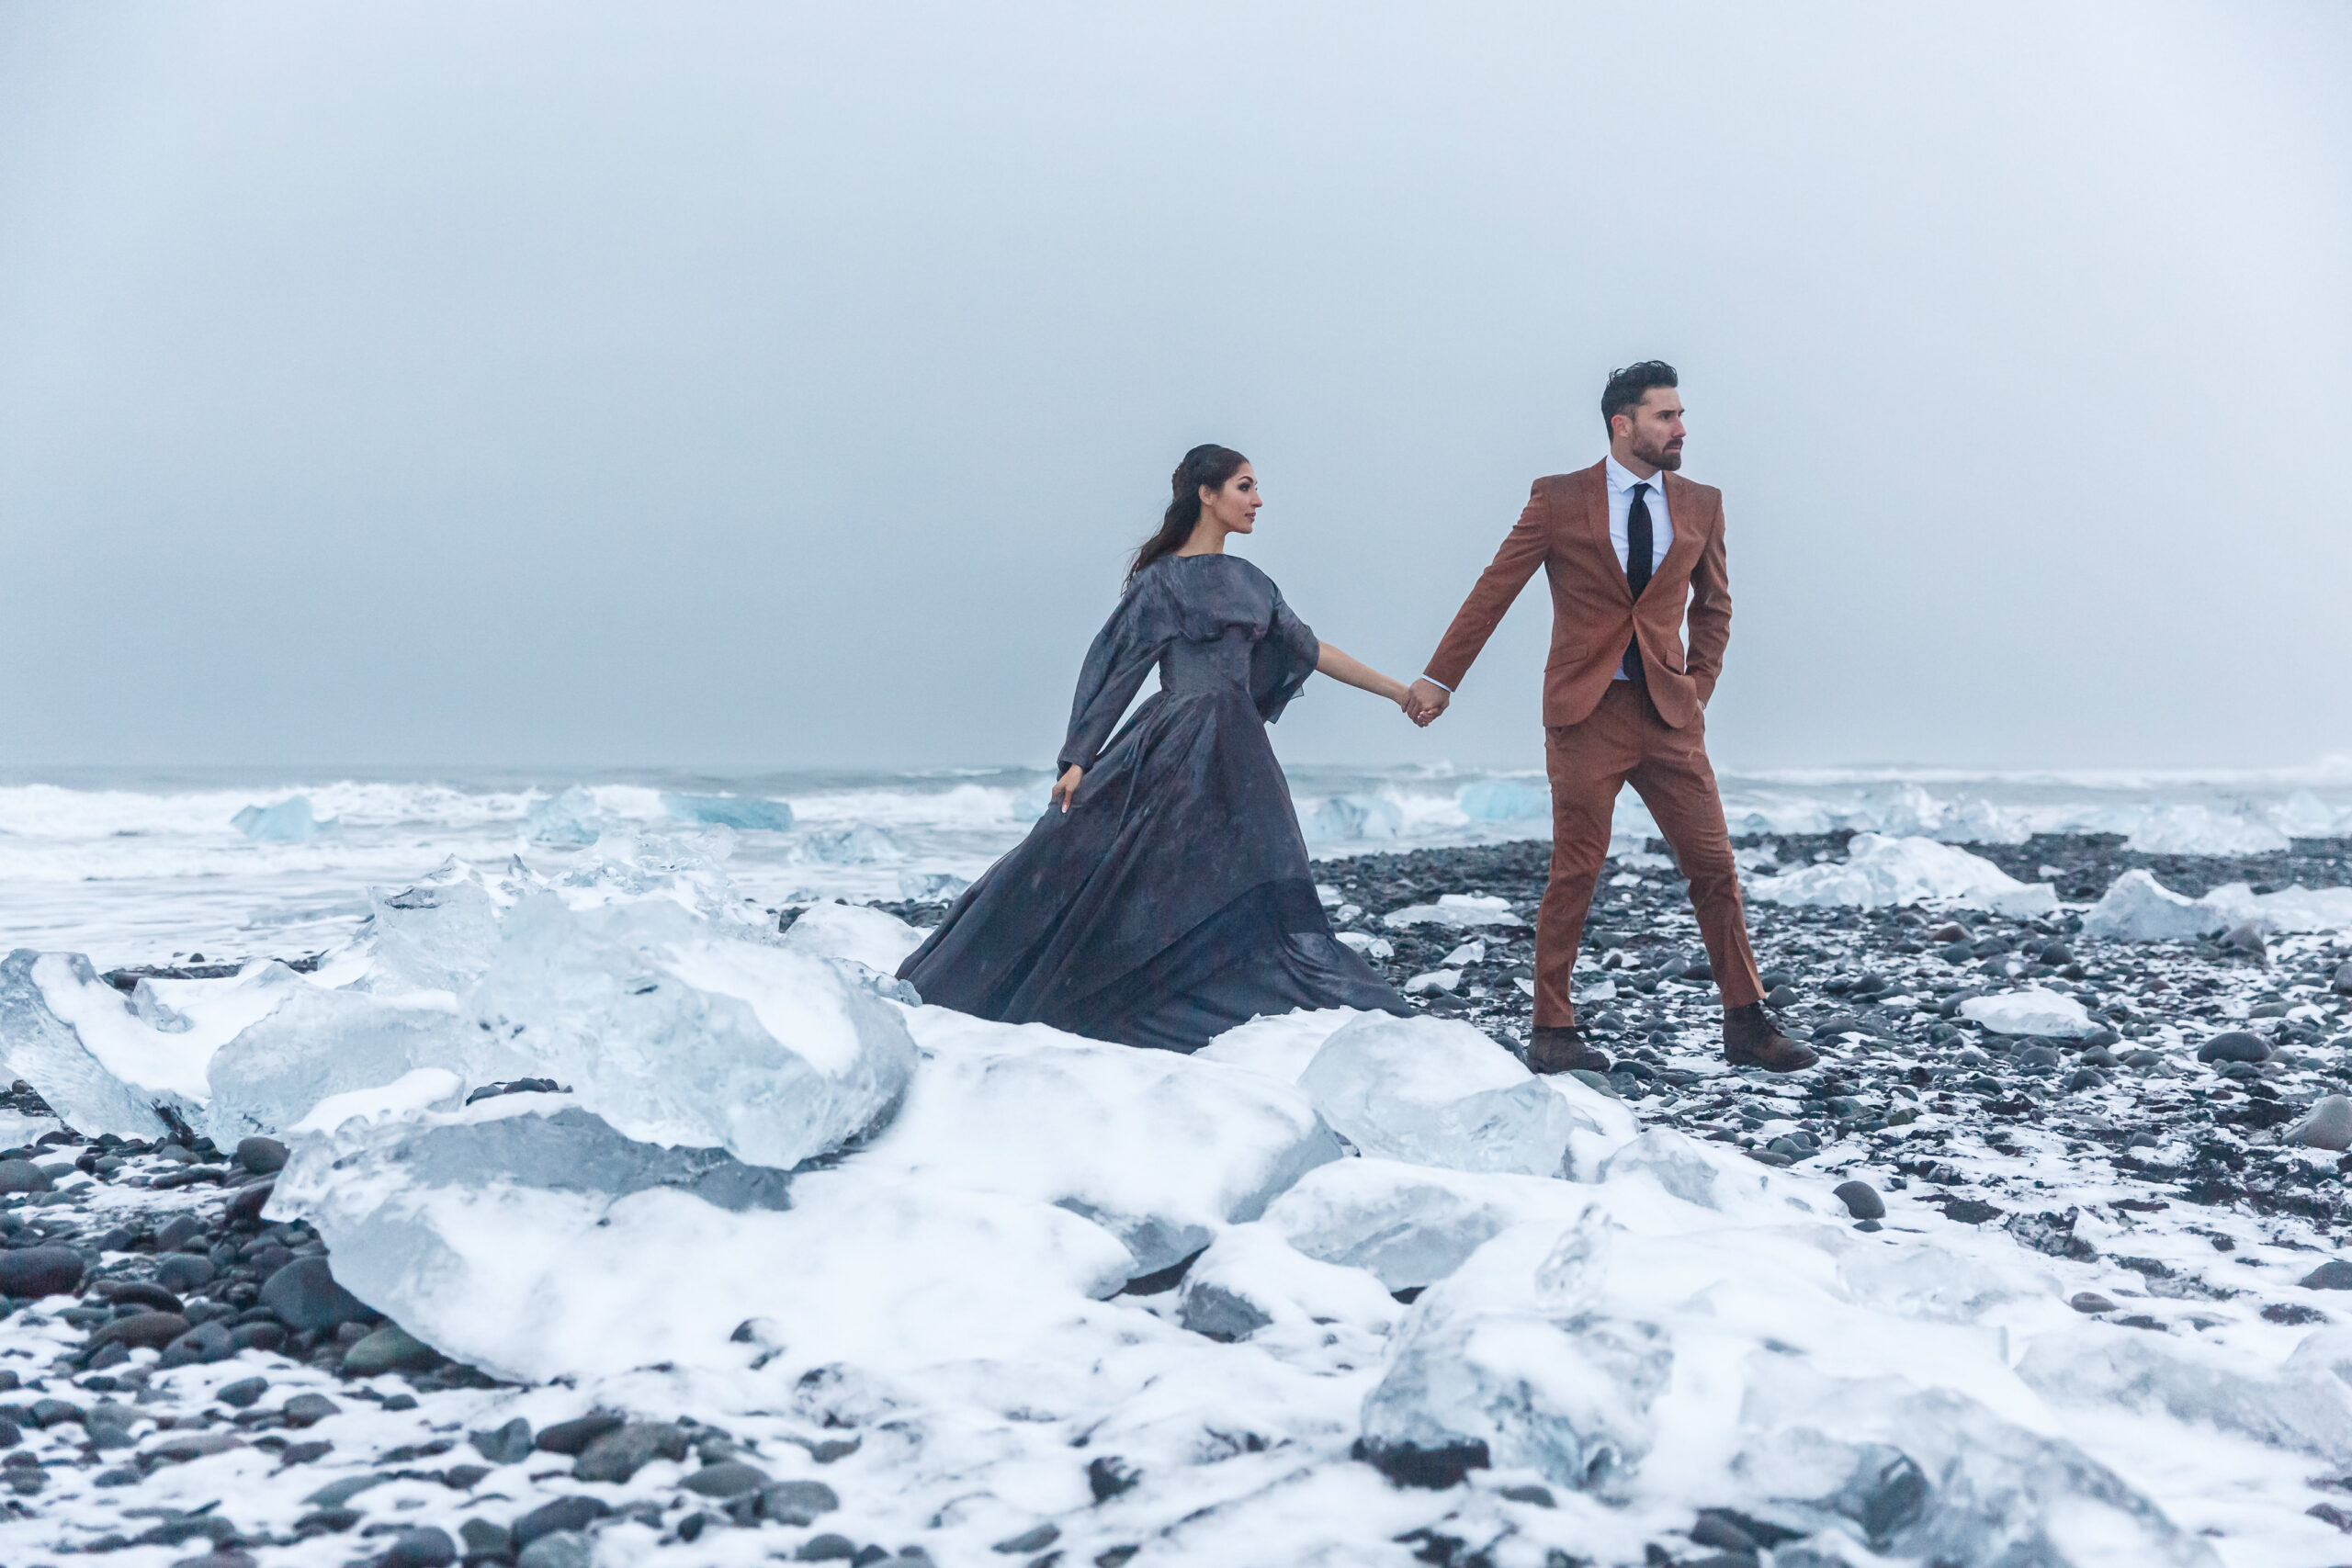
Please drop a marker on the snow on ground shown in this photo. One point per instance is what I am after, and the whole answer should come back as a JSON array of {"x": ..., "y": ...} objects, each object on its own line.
[{"x": 859, "y": 1278}]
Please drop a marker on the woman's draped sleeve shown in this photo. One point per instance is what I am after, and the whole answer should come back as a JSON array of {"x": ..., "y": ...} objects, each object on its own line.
[
  {"x": 1124, "y": 652},
  {"x": 1281, "y": 660}
]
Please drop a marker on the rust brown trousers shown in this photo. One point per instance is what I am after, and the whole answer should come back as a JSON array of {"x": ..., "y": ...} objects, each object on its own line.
[{"x": 1601, "y": 733}]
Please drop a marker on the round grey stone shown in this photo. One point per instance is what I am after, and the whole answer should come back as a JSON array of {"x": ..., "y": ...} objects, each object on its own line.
[{"x": 1861, "y": 1200}]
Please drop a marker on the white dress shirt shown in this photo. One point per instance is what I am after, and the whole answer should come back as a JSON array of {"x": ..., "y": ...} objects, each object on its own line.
[{"x": 1622, "y": 481}]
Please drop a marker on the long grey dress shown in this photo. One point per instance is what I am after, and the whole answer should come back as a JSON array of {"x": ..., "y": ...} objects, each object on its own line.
[{"x": 1174, "y": 900}]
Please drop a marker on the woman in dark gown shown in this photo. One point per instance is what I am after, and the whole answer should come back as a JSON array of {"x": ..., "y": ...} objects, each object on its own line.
[{"x": 1165, "y": 897}]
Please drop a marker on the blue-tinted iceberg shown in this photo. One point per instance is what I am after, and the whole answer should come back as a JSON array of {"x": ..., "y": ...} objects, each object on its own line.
[
  {"x": 287, "y": 822},
  {"x": 744, "y": 813}
]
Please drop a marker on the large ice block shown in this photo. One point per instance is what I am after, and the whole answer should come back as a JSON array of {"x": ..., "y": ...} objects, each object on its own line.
[
  {"x": 1438, "y": 1092},
  {"x": 529, "y": 1238},
  {"x": 1880, "y": 871},
  {"x": 1410, "y": 1224},
  {"x": 1159, "y": 1149},
  {"x": 60, "y": 1056}
]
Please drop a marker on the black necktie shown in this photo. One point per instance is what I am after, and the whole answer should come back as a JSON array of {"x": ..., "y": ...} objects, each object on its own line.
[{"x": 1637, "y": 567}]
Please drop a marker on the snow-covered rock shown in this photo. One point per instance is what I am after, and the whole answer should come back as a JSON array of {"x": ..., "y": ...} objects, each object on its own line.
[
  {"x": 1438, "y": 1092},
  {"x": 1409, "y": 1224},
  {"x": 1880, "y": 871},
  {"x": 2030, "y": 1011}
]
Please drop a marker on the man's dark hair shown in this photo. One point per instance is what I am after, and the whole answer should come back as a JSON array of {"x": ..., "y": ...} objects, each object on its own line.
[{"x": 1626, "y": 387}]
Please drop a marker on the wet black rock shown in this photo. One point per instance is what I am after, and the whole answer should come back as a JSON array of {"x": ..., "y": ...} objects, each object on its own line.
[
  {"x": 563, "y": 1514},
  {"x": 572, "y": 1438},
  {"x": 617, "y": 1456},
  {"x": 185, "y": 1271},
  {"x": 309, "y": 1409},
  {"x": 798, "y": 1502},
  {"x": 727, "y": 1478},
  {"x": 509, "y": 1444},
  {"x": 245, "y": 1207},
  {"x": 2332, "y": 1274},
  {"x": 22, "y": 1176},
  {"x": 244, "y": 1393},
  {"x": 147, "y": 1331},
  {"x": 1861, "y": 1200},
  {"x": 422, "y": 1548},
  {"x": 138, "y": 1293},
  {"x": 2237, "y": 1045},
  {"x": 31, "y": 1271},
  {"x": 306, "y": 1299},
  {"x": 263, "y": 1156},
  {"x": 1109, "y": 1476},
  {"x": 485, "y": 1540},
  {"x": 1035, "y": 1539},
  {"x": 1409, "y": 1464},
  {"x": 389, "y": 1348},
  {"x": 200, "y": 1346}
]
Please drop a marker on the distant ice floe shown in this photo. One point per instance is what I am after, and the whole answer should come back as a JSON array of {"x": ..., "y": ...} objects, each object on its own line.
[
  {"x": 571, "y": 817},
  {"x": 287, "y": 822},
  {"x": 2201, "y": 830},
  {"x": 744, "y": 813},
  {"x": 2137, "y": 908},
  {"x": 1880, "y": 871}
]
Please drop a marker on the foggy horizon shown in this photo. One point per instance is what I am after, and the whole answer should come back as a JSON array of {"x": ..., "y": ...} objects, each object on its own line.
[{"x": 738, "y": 387}]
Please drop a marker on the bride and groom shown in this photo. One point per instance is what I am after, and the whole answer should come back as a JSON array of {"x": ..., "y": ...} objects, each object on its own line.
[{"x": 1165, "y": 896}]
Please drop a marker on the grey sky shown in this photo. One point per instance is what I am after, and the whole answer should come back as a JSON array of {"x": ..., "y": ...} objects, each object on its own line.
[{"x": 783, "y": 385}]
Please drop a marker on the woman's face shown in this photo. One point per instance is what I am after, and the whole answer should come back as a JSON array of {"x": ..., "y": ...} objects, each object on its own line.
[{"x": 1235, "y": 507}]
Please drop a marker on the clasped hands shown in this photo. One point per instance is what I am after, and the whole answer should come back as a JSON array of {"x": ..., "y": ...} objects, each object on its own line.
[{"x": 1423, "y": 701}]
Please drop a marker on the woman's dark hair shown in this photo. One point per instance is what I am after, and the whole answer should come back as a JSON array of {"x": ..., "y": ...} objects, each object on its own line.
[{"x": 1209, "y": 465}]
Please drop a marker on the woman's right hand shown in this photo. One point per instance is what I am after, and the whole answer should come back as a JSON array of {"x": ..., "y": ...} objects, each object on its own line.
[{"x": 1065, "y": 787}]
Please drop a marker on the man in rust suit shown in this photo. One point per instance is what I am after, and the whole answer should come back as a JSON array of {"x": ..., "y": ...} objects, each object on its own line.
[{"x": 1626, "y": 543}]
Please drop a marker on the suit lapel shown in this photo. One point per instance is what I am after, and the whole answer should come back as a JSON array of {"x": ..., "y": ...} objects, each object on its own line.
[
  {"x": 1682, "y": 510},
  {"x": 1594, "y": 483}
]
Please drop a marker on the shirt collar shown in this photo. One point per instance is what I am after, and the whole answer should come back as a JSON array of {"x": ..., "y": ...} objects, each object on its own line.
[{"x": 1622, "y": 478}]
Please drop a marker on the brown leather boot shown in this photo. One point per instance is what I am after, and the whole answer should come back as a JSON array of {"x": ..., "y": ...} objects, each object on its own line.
[
  {"x": 1561, "y": 1050},
  {"x": 1752, "y": 1038}
]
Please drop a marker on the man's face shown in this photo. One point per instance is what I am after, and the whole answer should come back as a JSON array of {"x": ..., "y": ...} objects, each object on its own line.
[{"x": 1656, "y": 436}]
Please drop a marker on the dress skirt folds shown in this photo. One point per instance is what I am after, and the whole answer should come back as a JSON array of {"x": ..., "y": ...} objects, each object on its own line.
[{"x": 1174, "y": 900}]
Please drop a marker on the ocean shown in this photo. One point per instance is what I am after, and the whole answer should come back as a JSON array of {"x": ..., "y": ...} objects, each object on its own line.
[{"x": 145, "y": 867}]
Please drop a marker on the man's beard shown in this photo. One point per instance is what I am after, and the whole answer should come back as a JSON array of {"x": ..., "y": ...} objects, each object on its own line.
[{"x": 1669, "y": 458}]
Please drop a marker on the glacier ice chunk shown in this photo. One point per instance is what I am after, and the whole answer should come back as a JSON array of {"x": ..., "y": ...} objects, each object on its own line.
[
  {"x": 744, "y": 813},
  {"x": 1347, "y": 818},
  {"x": 1513, "y": 1357},
  {"x": 1506, "y": 800},
  {"x": 2030, "y": 1011},
  {"x": 439, "y": 934},
  {"x": 876, "y": 938},
  {"x": 1410, "y": 1224},
  {"x": 1931, "y": 1475},
  {"x": 859, "y": 844},
  {"x": 571, "y": 817},
  {"x": 55, "y": 1054},
  {"x": 287, "y": 822},
  {"x": 2201, "y": 830},
  {"x": 2137, "y": 908},
  {"x": 1159, "y": 1149},
  {"x": 323, "y": 1043},
  {"x": 526, "y": 1237},
  {"x": 1437, "y": 1091},
  {"x": 1463, "y": 909},
  {"x": 2304, "y": 1405},
  {"x": 1880, "y": 871},
  {"x": 1251, "y": 1279},
  {"x": 680, "y": 1033}
]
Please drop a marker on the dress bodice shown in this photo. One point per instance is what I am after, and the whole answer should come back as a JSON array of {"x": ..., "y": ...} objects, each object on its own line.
[
  {"x": 1196, "y": 669},
  {"x": 1208, "y": 623}
]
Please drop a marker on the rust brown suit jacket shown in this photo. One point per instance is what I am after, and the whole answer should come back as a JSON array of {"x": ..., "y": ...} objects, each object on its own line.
[{"x": 1565, "y": 530}]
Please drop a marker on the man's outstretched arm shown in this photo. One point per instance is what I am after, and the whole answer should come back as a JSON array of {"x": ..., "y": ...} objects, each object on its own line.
[{"x": 1524, "y": 549}]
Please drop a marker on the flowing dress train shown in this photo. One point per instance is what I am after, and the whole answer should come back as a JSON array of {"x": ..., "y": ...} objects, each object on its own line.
[{"x": 1174, "y": 900}]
